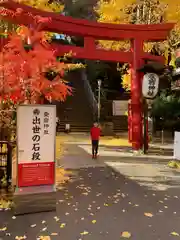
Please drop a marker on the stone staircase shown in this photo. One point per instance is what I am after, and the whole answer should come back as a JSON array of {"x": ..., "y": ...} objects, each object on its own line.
[
  {"x": 120, "y": 123},
  {"x": 77, "y": 109}
]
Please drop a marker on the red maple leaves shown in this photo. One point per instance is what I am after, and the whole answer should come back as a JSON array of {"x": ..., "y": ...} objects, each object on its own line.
[{"x": 22, "y": 70}]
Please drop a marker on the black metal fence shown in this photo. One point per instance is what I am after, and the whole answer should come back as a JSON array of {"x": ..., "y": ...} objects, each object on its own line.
[{"x": 5, "y": 164}]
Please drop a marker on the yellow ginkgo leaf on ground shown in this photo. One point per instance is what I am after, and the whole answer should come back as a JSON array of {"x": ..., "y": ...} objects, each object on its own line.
[
  {"x": 174, "y": 234},
  {"x": 84, "y": 233},
  {"x": 126, "y": 234},
  {"x": 148, "y": 214},
  {"x": 56, "y": 218},
  {"x": 3, "y": 229},
  {"x": 20, "y": 237},
  {"x": 93, "y": 221},
  {"x": 44, "y": 229},
  {"x": 44, "y": 238},
  {"x": 5, "y": 204},
  {"x": 62, "y": 225},
  {"x": 33, "y": 225},
  {"x": 85, "y": 193},
  {"x": 54, "y": 234}
]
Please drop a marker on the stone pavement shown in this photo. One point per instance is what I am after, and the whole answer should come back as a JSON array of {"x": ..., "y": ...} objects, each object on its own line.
[
  {"x": 150, "y": 171},
  {"x": 99, "y": 203}
]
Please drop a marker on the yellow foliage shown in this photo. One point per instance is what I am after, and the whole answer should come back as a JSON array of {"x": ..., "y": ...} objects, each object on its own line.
[
  {"x": 172, "y": 11},
  {"x": 113, "y": 11},
  {"x": 151, "y": 11},
  {"x": 141, "y": 12},
  {"x": 43, "y": 5},
  {"x": 62, "y": 176},
  {"x": 172, "y": 62},
  {"x": 126, "y": 81},
  {"x": 115, "y": 142},
  {"x": 5, "y": 204}
]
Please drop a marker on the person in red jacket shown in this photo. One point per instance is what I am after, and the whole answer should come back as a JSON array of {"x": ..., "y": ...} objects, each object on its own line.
[{"x": 95, "y": 135}]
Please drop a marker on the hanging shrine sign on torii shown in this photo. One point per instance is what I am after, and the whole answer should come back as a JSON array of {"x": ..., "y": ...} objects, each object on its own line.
[{"x": 92, "y": 31}]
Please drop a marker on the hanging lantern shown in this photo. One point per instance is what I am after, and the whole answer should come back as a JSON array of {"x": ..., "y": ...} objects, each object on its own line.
[{"x": 150, "y": 85}]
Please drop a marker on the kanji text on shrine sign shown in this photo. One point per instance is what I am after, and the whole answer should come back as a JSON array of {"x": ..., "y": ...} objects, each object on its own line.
[{"x": 36, "y": 133}]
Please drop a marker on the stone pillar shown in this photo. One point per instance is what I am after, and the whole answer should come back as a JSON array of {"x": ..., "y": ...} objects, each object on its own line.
[{"x": 136, "y": 94}]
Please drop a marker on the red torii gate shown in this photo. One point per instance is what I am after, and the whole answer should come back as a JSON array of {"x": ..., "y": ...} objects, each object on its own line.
[{"x": 92, "y": 31}]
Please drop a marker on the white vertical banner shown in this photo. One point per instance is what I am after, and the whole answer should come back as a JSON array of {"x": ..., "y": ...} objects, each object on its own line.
[
  {"x": 177, "y": 145},
  {"x": 36, "y": 132}
]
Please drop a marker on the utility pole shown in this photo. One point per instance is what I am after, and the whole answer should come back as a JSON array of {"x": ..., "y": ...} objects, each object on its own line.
[{"x": 99, "y": 100}]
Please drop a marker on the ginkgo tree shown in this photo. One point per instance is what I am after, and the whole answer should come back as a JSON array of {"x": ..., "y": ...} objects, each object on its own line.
[
  {"x": 140, "y": 12},
  {"x": 50, "y": 6}
]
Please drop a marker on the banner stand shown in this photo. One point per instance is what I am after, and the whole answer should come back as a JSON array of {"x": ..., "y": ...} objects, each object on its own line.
[
  {"x": 35, "y": 190},
  {"x": 176, "y": 148},
  {"x": 34, "y": 200}
]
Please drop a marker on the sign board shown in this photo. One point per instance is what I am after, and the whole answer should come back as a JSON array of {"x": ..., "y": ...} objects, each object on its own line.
[
  {"x": 120, "y": 107},
  {"x": 177, "y": 145},
  {"x": 36, "y": 131},
  {"x": 150, "y": 85}
]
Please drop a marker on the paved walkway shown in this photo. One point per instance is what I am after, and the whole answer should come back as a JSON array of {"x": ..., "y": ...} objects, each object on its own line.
[{"x": 100, "y": 204}]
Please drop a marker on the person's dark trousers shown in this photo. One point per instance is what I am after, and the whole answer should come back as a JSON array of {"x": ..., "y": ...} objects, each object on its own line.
[{"x": 95, "y": 145}]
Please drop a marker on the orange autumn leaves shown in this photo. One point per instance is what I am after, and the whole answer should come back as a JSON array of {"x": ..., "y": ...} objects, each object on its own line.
[{"x": 24, "y": 71}]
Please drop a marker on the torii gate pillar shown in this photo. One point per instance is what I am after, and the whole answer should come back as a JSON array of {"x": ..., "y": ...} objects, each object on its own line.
[{"x": 136, "y": 94}]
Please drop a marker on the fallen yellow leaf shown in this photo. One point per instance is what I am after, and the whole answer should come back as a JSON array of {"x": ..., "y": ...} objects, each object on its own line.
[
  {"x": 148, "y": 214},
  {"x": 54, "y": 234},
  {"x": 93, "y": 221},
  {"x": 20, "y": 237},
  {"x": 44, "y": 238},
  {"x": 44, "y": 229},
  {"x": 56, "y": 218},
  {"x": 62, "y": 225},
  {"x": 5, "y": 204},
  {"x": 126, "y": 235},
  {"x": 174, "y": 234},
  {"x": 33, "y": 225},
  {"x": 85, "y": 193},
  {"x": 3, "y": 229},
  {"x": 84, "y": 233}
]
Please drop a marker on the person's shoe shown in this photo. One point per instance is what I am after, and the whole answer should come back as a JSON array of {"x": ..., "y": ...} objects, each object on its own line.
[{"x": 93, "y": 156}]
